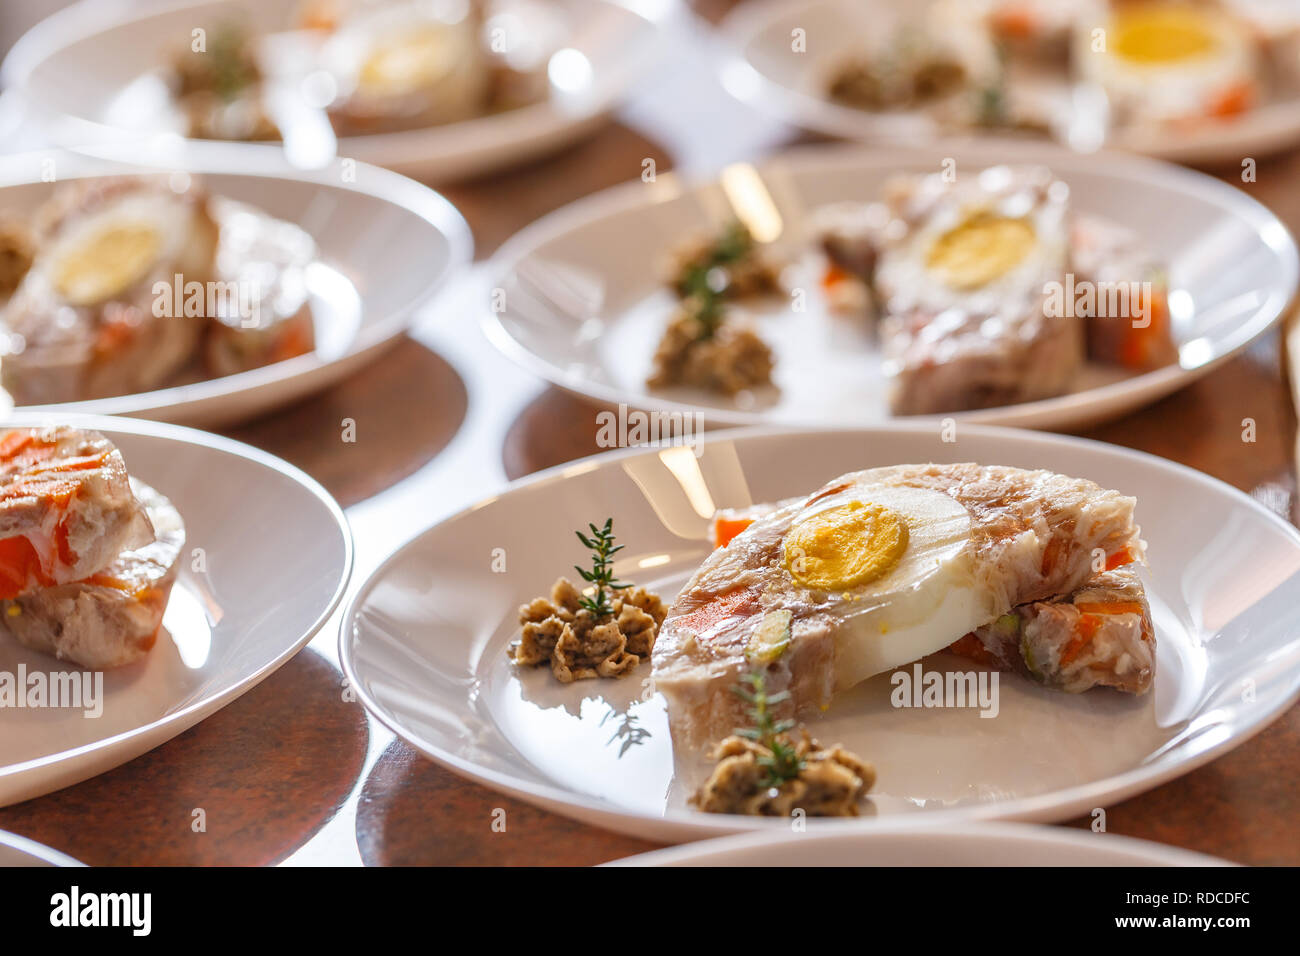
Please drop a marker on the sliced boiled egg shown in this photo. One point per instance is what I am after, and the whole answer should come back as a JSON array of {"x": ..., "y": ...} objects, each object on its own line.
[
  {"x": 889, "y": 570},
  {"x": 394, "y": 54},
  {"x": 401, "y": 62},
  {"x": 985, "y": 244},
  {"x": 102, "y": 254},
  {"x": 106, "y": 263},
  {"x": 1162, "y": 34},
  {"x": 979, "y": 250},
  {"x": 1165, "y": 60}
]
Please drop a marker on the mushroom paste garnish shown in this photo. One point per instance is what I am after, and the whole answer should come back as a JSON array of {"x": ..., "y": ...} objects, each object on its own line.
[
  {"x": 762, "y": 772},
  {"x": 605, "y": 632}
]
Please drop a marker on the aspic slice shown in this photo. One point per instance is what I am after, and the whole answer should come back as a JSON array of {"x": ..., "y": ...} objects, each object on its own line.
[
  {"x": 66, "y": 507},
  {"x": 1029, "y": 535},
  {"x": 1099, "y": 635},
  {"x": 113, "y": 617}
]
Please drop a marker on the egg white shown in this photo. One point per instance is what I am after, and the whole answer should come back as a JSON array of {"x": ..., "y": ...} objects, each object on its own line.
[{"x": 925, "y": 602}]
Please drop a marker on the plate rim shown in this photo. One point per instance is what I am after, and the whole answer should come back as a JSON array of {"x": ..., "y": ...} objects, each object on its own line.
[
  {"x": 179, "y": 721},
  {"x": 742, "y": 23},
  {"x": 700, "y": 852},
  {"x": 37, "y": 851},
  {"x": 256, "y": 161},
  {"x": 677, "y": 825},
  {"x": 1049, "y": 412}
]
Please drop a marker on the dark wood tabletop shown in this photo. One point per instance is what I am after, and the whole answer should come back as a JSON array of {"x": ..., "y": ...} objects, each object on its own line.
[{"x": 296, "y": 771}]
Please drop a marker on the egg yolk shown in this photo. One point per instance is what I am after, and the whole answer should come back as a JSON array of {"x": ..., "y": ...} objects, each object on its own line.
[
  {"x": 110, "y": 262},
  {"x": 845, "y": 546},
  {"x": 409, "y": 62},
  {"x": 1154, "y": 36},
  {"x": 979, "y": 250}
]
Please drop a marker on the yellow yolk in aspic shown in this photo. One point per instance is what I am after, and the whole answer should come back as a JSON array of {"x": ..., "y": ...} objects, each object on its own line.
[
  {"x": 979, "y": 250},
  {"x": 1158, "y": 35},
  {"x": 109, "y": 262},
  {"x": 845, "y": 546},
  {"x": 405, "y": 63}
]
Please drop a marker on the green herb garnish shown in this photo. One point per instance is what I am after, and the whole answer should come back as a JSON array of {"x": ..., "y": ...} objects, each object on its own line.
[
  {"x": 232, "y": 68},
  {"x": 784, "y": 764},
  {"x": 992, "y": 107},
  {"x": 706, "y": 310},
  {"x": 699, "y": 283},
  {"x": 602, "y": 547},
  {"x": 734, "y": 244}
]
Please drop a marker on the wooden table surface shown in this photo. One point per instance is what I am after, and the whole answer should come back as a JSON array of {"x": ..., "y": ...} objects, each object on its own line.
[{"x": 294, "y": 771}]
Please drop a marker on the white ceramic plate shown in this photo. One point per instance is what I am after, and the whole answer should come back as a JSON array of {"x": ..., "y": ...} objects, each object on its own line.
[
  {"x": 424, "y": 641},
  {"x": 985, "y": 844},
  {"x": 276, "y": 555},
  {"x": 760, "y": 68},
  {"x": 20, "y": 851},
  {"x": 362, "y": 295},
  {"x": 584, "y": 305},
  {"x": 89, "y": 73}
]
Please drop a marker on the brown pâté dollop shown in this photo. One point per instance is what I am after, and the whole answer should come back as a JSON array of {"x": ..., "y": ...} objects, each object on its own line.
[
  {"x": 578, "y": 646},
  {"x": 728, "y": 360},
  {"x": 732, "y": 262},
  {"x": 830, "y": 784}
]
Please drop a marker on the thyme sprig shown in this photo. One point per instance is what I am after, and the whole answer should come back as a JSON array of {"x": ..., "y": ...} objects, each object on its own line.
[
  {"x": 602, "y": 548},
  {"x": 699, "y": 284},
  {"x": 233, "y": 69},
  {"x": 784, "y": 763}
]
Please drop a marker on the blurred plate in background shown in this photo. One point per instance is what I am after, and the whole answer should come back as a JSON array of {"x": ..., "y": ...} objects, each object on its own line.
[
  {"x": 585, "y": 302},
  {"x": 762, "y": 69},
  {"x": 362, "y": 297},
  {"x": 92, "y": 74}
]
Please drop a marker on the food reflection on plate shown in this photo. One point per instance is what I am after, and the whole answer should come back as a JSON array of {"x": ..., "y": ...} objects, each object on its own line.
[
  {"x": 118, "y": 285},
  {"x": 1026, "y": 573},
  {"x": 981, "y": 290},
  {"x": 1014, "y": 65},
  {"x": 372, "y": 67}
]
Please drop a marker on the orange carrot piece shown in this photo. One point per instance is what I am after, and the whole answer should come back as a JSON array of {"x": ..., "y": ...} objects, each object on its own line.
[
  {"x": 972, "y": 648},
  {"x": 1139, "y": 346},
  {"x": 1051, "y": 556},
  {"x": 1234, "y": 99},
  {"x": 724, "y": 529},
  {"x": 1014, "y": 21},
  {"x": 1087, "y": 630},
  {"x": 1119, "y": 559},
  {"x": 834, "y": 275},
  {"x": 14, "y": 442},
  {"x": 1110, "y": 607},
  {"x": 19, "y": 566}
]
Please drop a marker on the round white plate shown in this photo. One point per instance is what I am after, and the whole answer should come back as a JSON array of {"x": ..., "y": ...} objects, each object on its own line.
[
  {"x": 90, "y": 75},
  {"x": 363, "y": 296},
  {"x": 267, "y": 556},
  {"x": 424, "y": 640},
  {"x": 581, "y": 300},
  {"x": 760, "y": 68},
  {"x": 984, "y": 844},
  {"x": 20, "y": 851}
]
